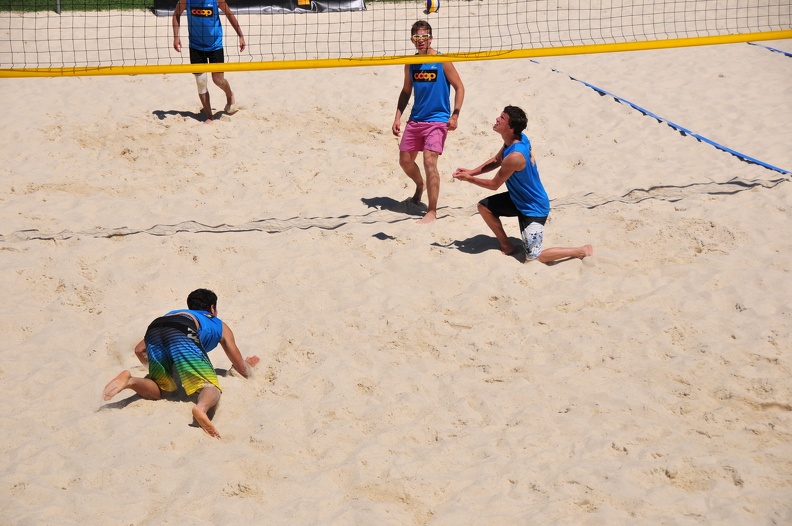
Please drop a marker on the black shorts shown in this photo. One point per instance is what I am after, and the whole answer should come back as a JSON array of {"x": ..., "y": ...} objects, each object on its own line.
[
  {"x": 202, "y": 57},
  {"x": 501, "y": 205}
]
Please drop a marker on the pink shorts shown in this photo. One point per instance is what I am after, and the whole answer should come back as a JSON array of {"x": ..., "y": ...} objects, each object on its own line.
[{"x": 420, "y": 136}]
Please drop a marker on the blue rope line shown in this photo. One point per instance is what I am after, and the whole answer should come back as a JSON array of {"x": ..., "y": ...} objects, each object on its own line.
[
  {"x": 677, "y": 127},
  {"x": 774, "y": 50}
]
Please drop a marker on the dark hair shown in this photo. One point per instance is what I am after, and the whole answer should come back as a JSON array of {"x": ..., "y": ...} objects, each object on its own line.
[
  {"x": 201, "y": 299},
  {"x": 421, "y": 24},
  {"x": 518, "y": 121}
]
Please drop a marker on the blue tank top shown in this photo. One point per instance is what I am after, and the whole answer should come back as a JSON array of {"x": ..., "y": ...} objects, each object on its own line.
[
  {"x": 525, "y": 188},
  {"x": 211, "y": 329},
  {"x": 203, "y": 23},
  {"x": 432, "y": 93}
]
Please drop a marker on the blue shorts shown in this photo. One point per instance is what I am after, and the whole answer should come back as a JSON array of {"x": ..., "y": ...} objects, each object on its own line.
[{"x": 531, "y": 228}]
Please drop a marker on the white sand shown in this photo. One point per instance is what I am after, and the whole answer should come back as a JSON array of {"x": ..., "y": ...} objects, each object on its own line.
[{"x": 410, "y": 374}]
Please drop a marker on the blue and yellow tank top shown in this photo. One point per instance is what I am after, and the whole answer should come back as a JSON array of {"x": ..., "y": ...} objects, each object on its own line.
[
  {"x": 525, "y": 188},
  {"x": 432, "y": 93},
  {"x": 203, "y": 23},
  {"x": 211, "y": 329}
]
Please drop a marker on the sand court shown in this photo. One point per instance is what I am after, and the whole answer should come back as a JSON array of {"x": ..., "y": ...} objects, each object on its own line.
[{"x": 409, "y": 374}]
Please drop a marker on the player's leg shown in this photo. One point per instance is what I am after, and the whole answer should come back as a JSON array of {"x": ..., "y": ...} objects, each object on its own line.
[
  {"x": 208, "y": 397},
  {"x": 220, "y": 81},
  {"x": 410, "y": 167},
  {"x": 434, "y": 142},
  {"x": 432, "y": 185},
  {"x": 202, "y": 82},
  {"x": 144, "y": 387},
  {"x": 196, "y": 373},
  {"x": 218, "y": 77},
  {"x": 549, "y": 255},
  {"x": 494, "y": 207},
  {"x": 412, "y": 142},
  {"x": 495, "y": 224}
]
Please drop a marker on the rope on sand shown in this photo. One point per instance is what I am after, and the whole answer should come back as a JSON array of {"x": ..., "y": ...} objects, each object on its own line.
[
  {"x": 682, "y": 130},
  {"x": 774, "y": 50}
]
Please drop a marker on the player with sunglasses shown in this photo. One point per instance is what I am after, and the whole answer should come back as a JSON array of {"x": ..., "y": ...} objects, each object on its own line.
[{"x": 430, "y": 119}]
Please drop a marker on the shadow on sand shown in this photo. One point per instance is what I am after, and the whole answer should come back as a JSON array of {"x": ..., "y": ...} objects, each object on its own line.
[
  {"x": 392, "y": 205},
  {"x": 482, "y": 243}
]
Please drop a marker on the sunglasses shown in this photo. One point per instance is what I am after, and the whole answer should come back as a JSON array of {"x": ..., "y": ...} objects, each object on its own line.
[{"x": 420, "y": 38}]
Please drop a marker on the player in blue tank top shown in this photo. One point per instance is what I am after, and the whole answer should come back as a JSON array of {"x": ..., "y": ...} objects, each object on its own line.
[
  {"x": 432, "y": 93},
  {"x": 526, "y": 197},
  {"x": 525, "y": 187},
  {"x": 203, "y": 25},
  {"x": 431, "y": 117},
  {"x": 206, "y": 45},
  {"x": 210, "y": 328},
  {"x": 174, "y": 350}
]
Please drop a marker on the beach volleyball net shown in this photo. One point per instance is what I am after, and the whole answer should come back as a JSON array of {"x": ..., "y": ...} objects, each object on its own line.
[{"x": 118, "y": 37}]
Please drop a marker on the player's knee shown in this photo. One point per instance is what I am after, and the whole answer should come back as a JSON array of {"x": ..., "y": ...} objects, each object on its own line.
[
  {"x": 202, "y": 82},
  {"x": 406, "y": 160}
]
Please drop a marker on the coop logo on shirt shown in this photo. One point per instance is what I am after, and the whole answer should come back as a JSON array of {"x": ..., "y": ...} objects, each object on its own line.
[
  {"x": 202, "y": 11},
  {"x": 424, "y": 75}
]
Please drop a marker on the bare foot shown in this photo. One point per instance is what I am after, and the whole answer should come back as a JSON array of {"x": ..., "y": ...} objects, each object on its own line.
[
  {"x": 587, "y": 251},
  {"x": 231, "y": 107},
  {"x": 204, "y": 422},
  {"x": 116, "y": 385},
  {"x": 429, "y": 217}
]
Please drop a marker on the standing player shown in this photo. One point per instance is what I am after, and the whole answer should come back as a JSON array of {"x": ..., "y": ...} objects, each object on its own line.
[
  {"x": 430, "y": 119},
  {"x": 206, "y": 45}
]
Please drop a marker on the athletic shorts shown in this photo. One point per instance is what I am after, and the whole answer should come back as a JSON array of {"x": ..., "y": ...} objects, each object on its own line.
[
  {"x": 420, "y": 136},
  {"x": 202, "y": 57},
  {"x": 174, "y": 349},
  {"x": 531, "y": 228}
]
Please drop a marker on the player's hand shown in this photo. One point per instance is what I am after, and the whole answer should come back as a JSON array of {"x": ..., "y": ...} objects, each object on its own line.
[
  {"x": 463, "y": 174},
  {"x": 242, "y": 44},
  {"x": 396, "y": 128},
  {"x": 452, "y": 122},
  {"x": 252, "y": 360},
  {"x": 177, "y": 44}
]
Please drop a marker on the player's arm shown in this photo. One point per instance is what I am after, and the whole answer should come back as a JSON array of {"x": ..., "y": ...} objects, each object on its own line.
[
  {"x": 232, "y": 19},
  {"x": 459, "y": 93},
  {"x": 242, "y": 365},
  {"x": 404, "y": 99},
  {"x": 488, "y": 165},
  {"x": 513, "y": 162},
  {"x": 176, "y": 22}
]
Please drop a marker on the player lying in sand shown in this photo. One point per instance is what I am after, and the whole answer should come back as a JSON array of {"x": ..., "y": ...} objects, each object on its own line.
[
  {"x": 526, "y": 197},
  {"x": 175, "y": 346}
]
